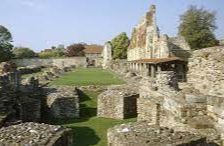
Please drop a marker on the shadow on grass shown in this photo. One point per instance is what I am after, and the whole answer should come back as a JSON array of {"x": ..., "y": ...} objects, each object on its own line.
[
  {"x": 84, "y": 136},
  {"x": 86, "y": 111}
]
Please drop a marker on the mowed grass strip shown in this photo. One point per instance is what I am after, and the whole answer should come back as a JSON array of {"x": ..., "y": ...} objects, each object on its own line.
[{"x": 88, "y": 76}]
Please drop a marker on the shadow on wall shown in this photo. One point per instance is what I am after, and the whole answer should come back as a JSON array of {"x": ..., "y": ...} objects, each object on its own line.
[{"x": 84, "y": 136}]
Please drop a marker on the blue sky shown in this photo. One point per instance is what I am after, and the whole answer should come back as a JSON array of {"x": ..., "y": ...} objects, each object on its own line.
[{"x": 39, "y": 24}]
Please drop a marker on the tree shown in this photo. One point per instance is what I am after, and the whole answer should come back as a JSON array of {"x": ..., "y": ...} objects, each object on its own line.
[
  {"x": 120, "y": 45},
  {"x": 23, "y": 52},
  {"x": 54, "y": 52},
  {"x": 197, "y": 27},
  {"x": 75, "y": 50},
  {"x": 5, "y": 44}
]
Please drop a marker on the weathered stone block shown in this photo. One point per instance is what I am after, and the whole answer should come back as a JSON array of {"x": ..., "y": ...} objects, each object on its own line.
[
  {"x": 142, "y": 134},
  {"x": 63, "y": 103},
  {"x": 34, "y": 134},
  {"x": 118, "y": 103}
]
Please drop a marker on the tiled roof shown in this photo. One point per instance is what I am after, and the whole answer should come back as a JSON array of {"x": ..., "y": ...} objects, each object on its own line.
[
  {"x": 157, "y": 60},
  {"x": 93, "y": 49}
]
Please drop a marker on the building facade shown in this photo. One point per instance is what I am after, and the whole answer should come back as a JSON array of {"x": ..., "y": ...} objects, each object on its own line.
[{"x": 149, "y": 51}]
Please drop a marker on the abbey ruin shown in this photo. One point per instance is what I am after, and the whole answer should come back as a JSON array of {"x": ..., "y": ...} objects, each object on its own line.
[{"x": 175, "y": 93}]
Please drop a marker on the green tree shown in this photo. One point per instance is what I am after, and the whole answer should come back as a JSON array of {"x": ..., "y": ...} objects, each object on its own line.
[
  {"x": 120, "y": 45},
  {"x": 5, "y": 44},
  {"x": 23, "y": 52},
  {"x": 197, "y": 27},
  {"x": 54, "y": 52}
]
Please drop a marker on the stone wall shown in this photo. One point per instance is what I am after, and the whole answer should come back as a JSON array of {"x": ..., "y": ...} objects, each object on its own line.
[
  {"x": 147, "y": 42},
  {"x": 206, "y": 71},
  {"x": 215, "y": 108},
  {"x": 62, "y": 103},
  {"x": 142, "y": 134},
  {"x": 62, "y": 62},
  {"x": 119, "y": 103},
  {"x": 35, "y": 134}
]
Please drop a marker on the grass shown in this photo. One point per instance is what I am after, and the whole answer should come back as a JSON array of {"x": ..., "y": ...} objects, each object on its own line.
[
  {"x": 88, "y": 76},
  {"x": 90, "y": 130}
]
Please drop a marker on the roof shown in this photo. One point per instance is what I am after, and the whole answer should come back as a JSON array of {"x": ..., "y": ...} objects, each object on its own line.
[
  {"x": 93, "y": 49},
  {"x": 158, "y": 60}
]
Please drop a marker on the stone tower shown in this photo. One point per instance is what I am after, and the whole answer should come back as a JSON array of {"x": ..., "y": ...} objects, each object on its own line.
[{"x": 107, "y": 55}]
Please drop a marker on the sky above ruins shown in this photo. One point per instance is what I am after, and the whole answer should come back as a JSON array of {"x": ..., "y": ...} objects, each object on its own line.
[{"x": 40, "y": 24}]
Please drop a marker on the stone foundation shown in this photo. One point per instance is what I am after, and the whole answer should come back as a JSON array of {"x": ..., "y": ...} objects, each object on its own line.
[
  {"x": 141, "y": 134},
  {"x": 118, "y": 103},
  {"x": 62, "y": 103},
  {"x": 34, "y": 134}
]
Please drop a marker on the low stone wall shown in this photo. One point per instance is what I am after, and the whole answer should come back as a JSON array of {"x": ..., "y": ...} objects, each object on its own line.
[
  {"x": 61, "y": 62},
  {"x": 118, "y": 103},
  {"x": 141, "y": 134},
  {"x": 35, "y": 134},
  {"x": 206, "y": 71},
  {"x": 62, "y": 103}
]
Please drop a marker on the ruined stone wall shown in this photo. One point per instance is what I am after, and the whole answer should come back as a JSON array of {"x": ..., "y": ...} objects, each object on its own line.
[
  {"x": 118, "y": 102},
  {"x": 179, "y": 47},
  {"x": 29, "y": 109},
  {"x": 147, "y": 42},
  {"x": 35, "y": 134},
  {"x": 215, "y": 107},
  {"x": 62, "y": 103},
  {"x": 119, "y": 66},
  {"x": 206, "y": 71},
  {"x": 107, "y": 55},
  {"x": 10, "y": 80},
  {"x": 142, "y": 134},
  {"x": 61, "y": 62}
]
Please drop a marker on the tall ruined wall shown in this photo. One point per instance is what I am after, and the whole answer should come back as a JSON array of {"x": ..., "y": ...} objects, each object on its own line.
[
  {"x": 66, "y": 62},
  {"x": 144, "y": 36},
  {"x": 139, "y": 33},
  {"x": 206, "y": 70},
  {"x": 147, "y": 42}
]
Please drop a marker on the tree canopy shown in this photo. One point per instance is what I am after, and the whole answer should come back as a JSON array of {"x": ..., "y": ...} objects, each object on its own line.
[
  {"x": 23, "y": 52},
  {"x": 75, "y": 50},
  {"x": 5, "y": 44},
  {"x": 120, "y": 45},
  {"x": 197, "y": 27},
  {"x": 54, "y": 52}
]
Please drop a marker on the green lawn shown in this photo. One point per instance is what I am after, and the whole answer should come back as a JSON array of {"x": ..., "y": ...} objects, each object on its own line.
[
  {"x": 90, "y": 130},
  {"x": 88, "y": 76}
]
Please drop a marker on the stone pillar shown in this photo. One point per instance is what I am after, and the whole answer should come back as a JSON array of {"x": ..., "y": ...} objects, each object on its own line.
[
  {"x": 153, "y": 71},
  {"x": 159, "y": 68},
  {"x": 107, "y": 55}
]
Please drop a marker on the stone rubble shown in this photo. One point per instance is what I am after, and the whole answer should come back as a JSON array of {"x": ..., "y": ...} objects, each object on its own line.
[
  {"x": 143, "y": 134},
  {"x": 34, "y": 134}
]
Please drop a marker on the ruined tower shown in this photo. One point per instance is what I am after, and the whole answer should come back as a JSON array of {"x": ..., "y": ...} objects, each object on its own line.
[{"x": 107, "y": 55}]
